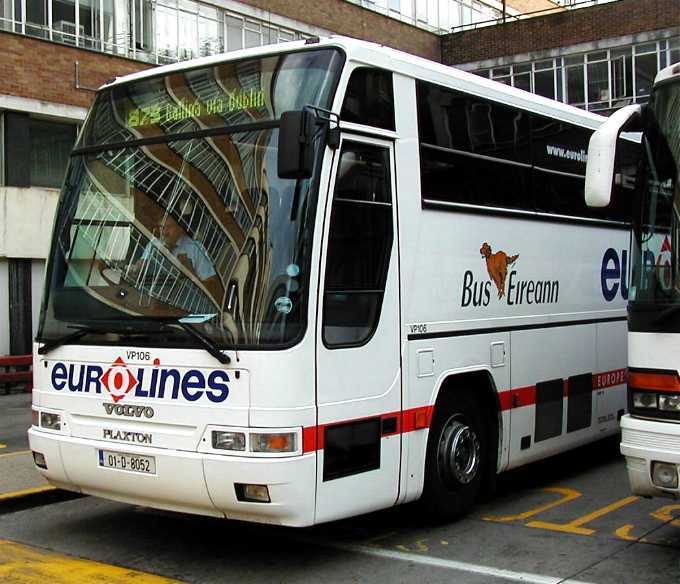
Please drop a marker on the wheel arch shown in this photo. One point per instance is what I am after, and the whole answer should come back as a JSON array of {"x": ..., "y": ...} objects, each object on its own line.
[{"x": 480, "y": 385}]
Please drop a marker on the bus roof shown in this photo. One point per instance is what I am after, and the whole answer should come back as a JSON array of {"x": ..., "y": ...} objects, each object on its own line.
[
  {"x": 375, "y": 55},
  {"x": 668, "y": 73}
]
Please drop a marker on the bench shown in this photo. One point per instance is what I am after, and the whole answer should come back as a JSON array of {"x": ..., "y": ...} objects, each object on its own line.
[{"x": 16, "y": 370}]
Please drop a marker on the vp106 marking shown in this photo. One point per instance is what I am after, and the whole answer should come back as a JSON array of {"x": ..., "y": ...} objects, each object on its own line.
[{"x": 129, "y": 411}]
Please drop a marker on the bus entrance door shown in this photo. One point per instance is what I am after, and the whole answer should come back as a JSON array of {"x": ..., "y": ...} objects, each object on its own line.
[{"x": 358, "y": 363}]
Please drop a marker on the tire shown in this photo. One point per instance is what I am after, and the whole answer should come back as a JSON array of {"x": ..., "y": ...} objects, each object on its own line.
[{"x": 457, "y": 457}]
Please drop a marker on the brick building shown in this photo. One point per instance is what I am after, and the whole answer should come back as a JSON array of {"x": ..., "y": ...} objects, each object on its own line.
[
  {"x": 599, "y": 58},
  {"x": 56, "y": 52}
]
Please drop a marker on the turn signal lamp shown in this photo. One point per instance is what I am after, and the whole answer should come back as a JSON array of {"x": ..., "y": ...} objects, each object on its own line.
[
  {"x": 284, "y": 442},
  {"x": 664, "y": 475}
]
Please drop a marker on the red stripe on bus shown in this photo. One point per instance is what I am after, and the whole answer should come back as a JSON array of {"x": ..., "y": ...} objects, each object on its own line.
[{"x": 421, "y": 417}]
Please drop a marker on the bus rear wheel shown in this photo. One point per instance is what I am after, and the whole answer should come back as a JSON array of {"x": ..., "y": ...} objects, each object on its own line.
[{"x": 457, "y": 454}]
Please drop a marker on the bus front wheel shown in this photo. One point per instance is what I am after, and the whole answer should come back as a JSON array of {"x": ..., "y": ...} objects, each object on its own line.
[{"x": 457, "y": 454}]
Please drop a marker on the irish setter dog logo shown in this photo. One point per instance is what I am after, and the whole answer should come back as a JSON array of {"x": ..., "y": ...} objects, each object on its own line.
[{"x": 497, "y": 266}]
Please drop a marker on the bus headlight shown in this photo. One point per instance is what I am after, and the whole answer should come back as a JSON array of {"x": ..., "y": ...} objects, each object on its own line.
[
  {"x": 645, "y": 399},
  {"x": 229, "y": 440},
  {"x": 664, "y": 475},
  {"x": 50, "y": 421},
  {"x": 274, "y": 442},
  {"x": 669, "y": 403}
]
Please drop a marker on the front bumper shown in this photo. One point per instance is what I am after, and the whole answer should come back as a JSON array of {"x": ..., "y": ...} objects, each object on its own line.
[
  {"x": 645, "y": 441},
  {"x": 184, "y": 481}
]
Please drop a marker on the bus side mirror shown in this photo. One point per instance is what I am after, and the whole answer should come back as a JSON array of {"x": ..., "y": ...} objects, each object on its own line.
[
  {"x": 296, "y": 156},
  {"x": 602, "y": 155}
]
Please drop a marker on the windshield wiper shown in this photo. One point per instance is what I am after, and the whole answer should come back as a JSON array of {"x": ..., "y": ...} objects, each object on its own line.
[
  {"x": 66, "y": 339},
  {"x": 205, "y": 341},
  {"x": 186, "y": 324}
]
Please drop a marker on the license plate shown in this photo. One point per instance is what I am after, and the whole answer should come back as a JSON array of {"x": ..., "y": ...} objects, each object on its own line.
[{"x": 129, "y": 462}]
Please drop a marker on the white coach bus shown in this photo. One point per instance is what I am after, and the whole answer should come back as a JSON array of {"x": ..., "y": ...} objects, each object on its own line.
[
  {"x": 299, "y": 283},
  {"x": 650, "y": 433}
]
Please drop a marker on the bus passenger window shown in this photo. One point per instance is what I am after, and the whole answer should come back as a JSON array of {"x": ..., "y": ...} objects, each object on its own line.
[
  {"x": 359, "y": 245},
  {"x": 369, "y": 99}
]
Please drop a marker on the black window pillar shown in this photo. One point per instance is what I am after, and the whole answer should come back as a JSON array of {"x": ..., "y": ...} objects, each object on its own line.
[
  {"x": 20, "y": 318},
  {"x": 17, "y": 150}
]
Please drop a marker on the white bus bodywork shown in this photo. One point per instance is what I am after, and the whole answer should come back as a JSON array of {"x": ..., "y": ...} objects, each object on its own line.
[{"x": 444, "y": 326}]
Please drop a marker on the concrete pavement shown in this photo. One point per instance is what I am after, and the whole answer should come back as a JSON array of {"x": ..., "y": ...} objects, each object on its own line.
[{"x": 19, "y": 479}]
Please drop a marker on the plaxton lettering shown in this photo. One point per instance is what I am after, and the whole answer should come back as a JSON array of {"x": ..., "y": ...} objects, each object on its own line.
[
  {"x": 144, "y": 382},
  {"x": 124, "y": 436}
]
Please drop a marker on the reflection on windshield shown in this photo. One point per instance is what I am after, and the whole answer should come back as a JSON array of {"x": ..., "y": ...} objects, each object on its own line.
[
  {"x": 656, "y": 273},
  {"x": 189, "y": 225}
]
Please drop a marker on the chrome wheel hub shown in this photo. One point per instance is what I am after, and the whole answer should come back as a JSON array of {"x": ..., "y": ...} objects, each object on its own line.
[{"x": 458, "y": 452}]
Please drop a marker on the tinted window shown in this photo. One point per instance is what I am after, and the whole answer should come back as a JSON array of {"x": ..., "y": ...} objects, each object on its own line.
[
  {"x": 369, "y": 99},
  {"x": 467, "y": 143},
  {"x": 478, "y": 152},
  {"x": 359, "y": 246},
  {"x": 459, "y": 178},
  {"x": 459, "y": 121}
]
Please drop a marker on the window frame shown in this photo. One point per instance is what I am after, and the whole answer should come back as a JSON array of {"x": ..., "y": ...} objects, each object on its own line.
[{"x": 388, "y": 146}]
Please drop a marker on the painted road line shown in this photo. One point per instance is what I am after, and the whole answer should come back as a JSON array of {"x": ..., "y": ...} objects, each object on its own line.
[
  {"x": 26, "y": 492},
  {"x": 21, "y": 564},
  {"x": 567, "y": 495},
  {"x": 3, "y": 445},
  {"x": 575, "y": 525},
  {"x": 16, "y": 453},
  {"x": 466, "y": 567},
  {"x": 664, "y": 514}
]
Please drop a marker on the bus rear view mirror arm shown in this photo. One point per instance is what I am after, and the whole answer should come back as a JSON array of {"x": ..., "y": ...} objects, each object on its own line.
[{"x": 602, "y": 155}]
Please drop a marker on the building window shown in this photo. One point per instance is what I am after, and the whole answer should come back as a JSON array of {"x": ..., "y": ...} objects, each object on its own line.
[
  {"x": 599, "y": 81},
  {"x": 544, "y": 78},
  {"x": 51, "y": 144},
  {"x": 157, "y": 31},
  {"x": 646, "y": 68}
]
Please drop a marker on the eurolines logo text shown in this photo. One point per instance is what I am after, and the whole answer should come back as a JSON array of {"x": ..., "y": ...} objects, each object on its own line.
[{"x": 156, "y": 382}]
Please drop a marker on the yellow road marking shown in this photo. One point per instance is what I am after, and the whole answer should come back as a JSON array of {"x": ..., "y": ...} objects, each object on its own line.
[
  {"x": 567, "y": 495},
  {"x": 3, "y": 445},
  {"x": 21, "y": 564},
  {"x": 624, "y": 533},
  {"x": 664, "y": 514},
  {"x": 24, "y": 492},
  {"x": 575, "y": 525},
  {"x": 18, "y": 452},
  {"x": 419, "y": 546}
]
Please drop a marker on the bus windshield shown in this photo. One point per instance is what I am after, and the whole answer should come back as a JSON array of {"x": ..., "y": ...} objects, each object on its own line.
[
  {"x": 655, "y": 260},
  {"x": 172, "y": 208}
]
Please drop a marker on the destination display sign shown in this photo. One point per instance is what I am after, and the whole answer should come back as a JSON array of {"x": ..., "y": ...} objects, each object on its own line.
[{"x": 182, "y": 109}]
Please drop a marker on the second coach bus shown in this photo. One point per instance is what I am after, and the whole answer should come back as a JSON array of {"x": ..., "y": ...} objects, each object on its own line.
[
  {"x": 650, "y": 432},
  {"x": 299, "y": 283}
]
